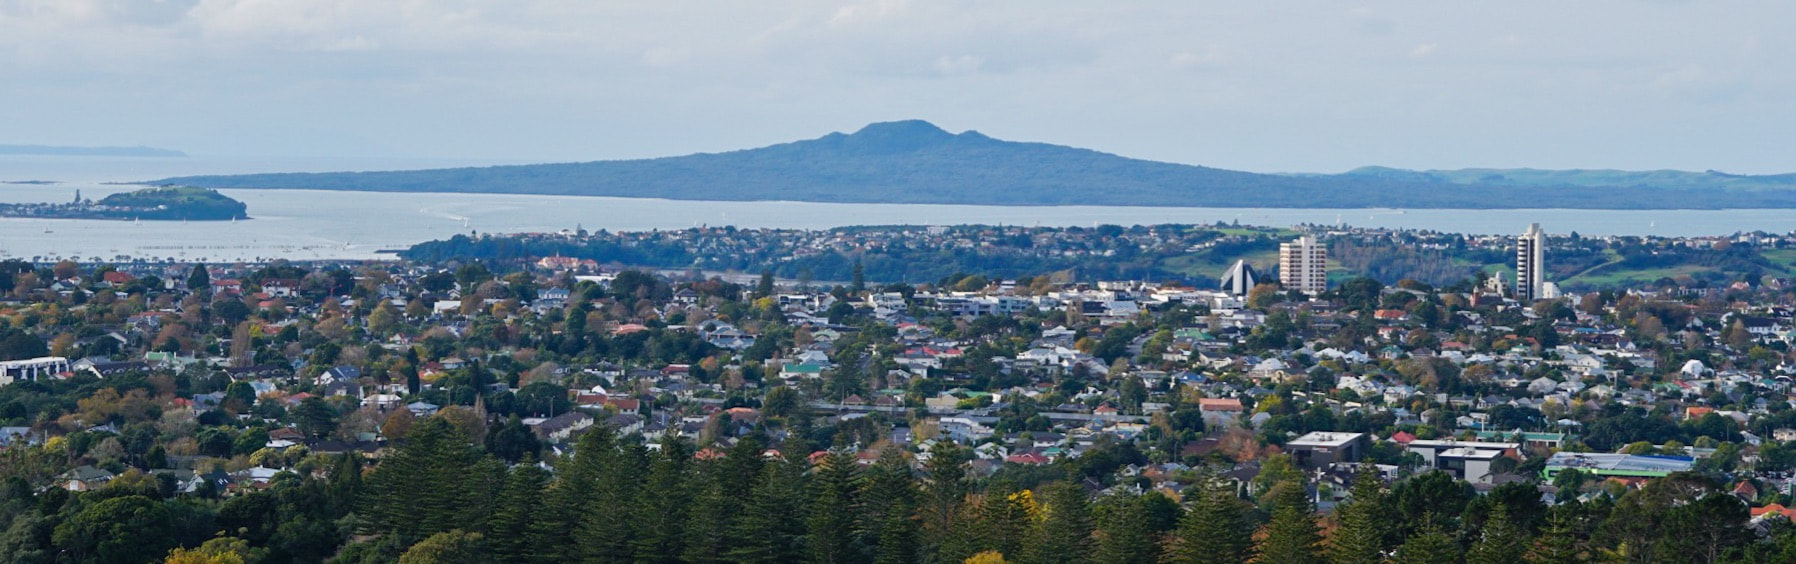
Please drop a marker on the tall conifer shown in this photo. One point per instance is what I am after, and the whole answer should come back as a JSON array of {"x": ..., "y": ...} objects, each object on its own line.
[
  {"x": 1065, "y": 532},
  {"x": 1215, "y": 530},
  {"x": 1292, "y": 536}
]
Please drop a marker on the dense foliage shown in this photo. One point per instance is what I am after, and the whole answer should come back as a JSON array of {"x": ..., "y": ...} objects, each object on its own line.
[{"x": 176, "y": 202}]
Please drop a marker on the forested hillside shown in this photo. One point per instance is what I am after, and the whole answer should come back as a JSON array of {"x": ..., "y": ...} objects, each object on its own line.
[{"x": 916, "y": 162}]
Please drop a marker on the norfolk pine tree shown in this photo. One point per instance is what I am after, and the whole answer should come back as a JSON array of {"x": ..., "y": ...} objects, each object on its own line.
[
  {"x": 1292, "y": 536},
  {"x": 772, "y": 525},
  {"x": 512, "y": 523},
  {"x": 1429, "y": 545},
  {"x": 833, "y": 509},
  {"x": 1216, "y": 529},
  {"x": 1065, "y": 532},
  {"x": 1360, "y": 537},
  {"x": 660, "y": 512},
  {"x": 1501, "y": 542}
]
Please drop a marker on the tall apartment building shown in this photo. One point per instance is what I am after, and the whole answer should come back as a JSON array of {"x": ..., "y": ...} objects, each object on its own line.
[
  {"x": 1303, "y": 265},
  {"x": 1530, "y": 265}
]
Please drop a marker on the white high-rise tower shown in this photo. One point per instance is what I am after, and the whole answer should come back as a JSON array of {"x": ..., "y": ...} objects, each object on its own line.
[
  {"x": 1530, "y": 264},
  {"x": 1303, "y": 265}
]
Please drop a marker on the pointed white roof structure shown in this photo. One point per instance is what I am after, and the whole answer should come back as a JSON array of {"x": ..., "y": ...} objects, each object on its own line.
[{"x": 1239, "y": 279}]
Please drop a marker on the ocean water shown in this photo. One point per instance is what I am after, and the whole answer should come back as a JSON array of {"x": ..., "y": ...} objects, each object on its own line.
[{"x": 308, "y": 225}]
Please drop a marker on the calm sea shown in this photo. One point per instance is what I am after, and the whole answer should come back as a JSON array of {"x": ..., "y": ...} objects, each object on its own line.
[{"x": 304, "y": 224}]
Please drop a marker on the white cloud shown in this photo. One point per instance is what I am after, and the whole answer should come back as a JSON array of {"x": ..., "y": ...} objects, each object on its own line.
[
  {"x": 959, "y": 64},
  {"x": 1187, "y": 59},
  {"x": 1135, "y": 78},
  {"x": 867, "y": 11},
  {"x": 665, "y": 56}
]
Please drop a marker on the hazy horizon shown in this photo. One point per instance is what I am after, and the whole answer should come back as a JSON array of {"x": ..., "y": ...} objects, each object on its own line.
[{"x": 1297, "y": 87}]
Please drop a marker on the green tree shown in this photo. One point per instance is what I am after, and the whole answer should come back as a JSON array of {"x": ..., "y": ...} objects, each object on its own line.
[
  {"x": 618, "y": 481},
  {"x": 573, "y": 330},
  {"x": 1363, "y": 523},
  {"x": 430, "y": 484},
  {"x": 765, "y": 287},
  {"x": 1066, "y": 526},
  {"x": 198, "y": 280},
  {"x": 1434, "y": 495},
  {"x": 559, "y": 531},
  {"x": 772, "y": 525},
  {"x": 888, "y": 503},
  {"x": 1501, "y": 541},
  {"x": 1705, "y": 530},
  {"x": 1292, "y": 535},
  {"x": 661, "y": 512},
  {"x": 719, "y": 484},
  {"x": 833, "y": 509},
  {"x": 945, "y": 489},
  {"x": 513, "y": 441},
  {"x": 1560, "y": 541},
  {"x": 1216, "y": 529},
  {"x": 221, "y": 550},
  {"x": 1125, "y": 533},
  {"x": 127, "y": 529},
  {"x": 1428, "y": 546},
  {"x": 448, "y": 547},
  {"x": 239, "y": 397},
  {"x": 315, "y": 417},
  {"x": 1004, "y": 520},
  {"x": 513, "y": 519},
  {"x": 345, "y": 484}
]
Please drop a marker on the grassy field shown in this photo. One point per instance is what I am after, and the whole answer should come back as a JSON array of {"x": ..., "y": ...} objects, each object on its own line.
[
  {"x": 1204, "y": 265},
  {"x": 1783, "y": 257},
  {"x": 1610, "y": 276},
  {"x": 1254, "y": 231}
]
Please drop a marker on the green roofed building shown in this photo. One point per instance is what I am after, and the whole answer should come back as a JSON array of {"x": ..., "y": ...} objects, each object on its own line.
[{"x": 1531, "y": 440}]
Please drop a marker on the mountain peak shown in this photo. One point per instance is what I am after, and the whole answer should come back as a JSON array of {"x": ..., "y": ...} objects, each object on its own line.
[
  {"x": 897, "y": 136},
  {"x": 902, "y": 128}
]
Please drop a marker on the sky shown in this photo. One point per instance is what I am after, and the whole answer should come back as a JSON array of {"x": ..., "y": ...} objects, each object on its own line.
[{"x": 1287, "y": 86}]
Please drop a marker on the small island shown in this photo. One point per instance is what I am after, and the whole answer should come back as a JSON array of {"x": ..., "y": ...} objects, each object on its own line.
[{"x": 182, "y": 203}]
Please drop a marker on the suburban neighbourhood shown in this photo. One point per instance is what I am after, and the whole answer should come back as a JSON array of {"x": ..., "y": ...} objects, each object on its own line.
[{"x": 1494, "y": 409}]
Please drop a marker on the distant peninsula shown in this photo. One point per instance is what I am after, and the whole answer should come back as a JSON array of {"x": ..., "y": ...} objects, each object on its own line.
[
  {"x": 915, "y": 162},
  {"x": 168, "y": 203}
]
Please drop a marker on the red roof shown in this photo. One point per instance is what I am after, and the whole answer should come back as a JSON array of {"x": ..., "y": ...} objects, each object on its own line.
[
  {"x": 1219, "y": 404},
  {"x": 587, "y": 398},
  {"x": 1402, "y": 437},
  {"x": 1746, "y": 489},
  {"x": 1027, "y": 458},
  {"x": 1774, "y": 508}
]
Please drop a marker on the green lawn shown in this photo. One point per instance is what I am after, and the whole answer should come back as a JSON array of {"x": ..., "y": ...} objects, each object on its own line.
[
  {"x": 1600, "y": 277},
  {"x": 1206, "y": 265},
  {"x": 1785, "y": 258}
]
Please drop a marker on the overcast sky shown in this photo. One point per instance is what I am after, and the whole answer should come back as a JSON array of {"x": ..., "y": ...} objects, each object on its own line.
[{"x": 1266, "y": 86}]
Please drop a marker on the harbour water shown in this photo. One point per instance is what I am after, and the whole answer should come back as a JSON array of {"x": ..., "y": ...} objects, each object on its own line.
[{"x": 310, "y": 225}]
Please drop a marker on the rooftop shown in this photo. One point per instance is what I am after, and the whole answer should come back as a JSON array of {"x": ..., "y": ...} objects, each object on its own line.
[
  {"x": 1620, "y": 463},
  {"x": 1324, "y": 439}
]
